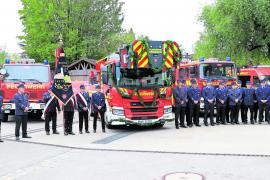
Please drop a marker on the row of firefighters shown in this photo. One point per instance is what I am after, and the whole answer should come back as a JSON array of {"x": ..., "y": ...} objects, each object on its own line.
[
  {"x": 83, "y": 102},
  {"x": 228, "y": 101}
]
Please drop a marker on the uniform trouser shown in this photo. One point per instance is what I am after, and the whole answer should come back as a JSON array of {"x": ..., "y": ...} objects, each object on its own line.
[
  {"x": 234, "y": 113},
  {"x": 255, "y": 110},
  {"x": 227, "y": 112},
  {"x": 264, "y": 108},
  {"x": 209, "y": 108},
  {"x": 180, "y": 112},
  {"x": 83, "y": 116},
  {"x": 101, "y": 113},
  {"x": 21, "y": 120},
  {"x": 187, "y": 116},
  {"x": 242, "y": 107},
  {"x": 50, "y": 116},
  {"x": 221, "y": 108},
  {"x": 250, "y": 108},
  {"x": 68, "y": 116},
  {"x": 194, "y": 111}
]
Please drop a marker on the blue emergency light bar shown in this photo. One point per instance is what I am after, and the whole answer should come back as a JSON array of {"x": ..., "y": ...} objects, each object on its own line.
[
  {"x": 7, "y": 61},
  {"x": 201, "y": 59},
  {"x": 46, "y": 62},
  {"x": 228, "y": 58}
]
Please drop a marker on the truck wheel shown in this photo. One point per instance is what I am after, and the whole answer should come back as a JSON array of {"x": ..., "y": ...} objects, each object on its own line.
[{"x": 5, "y": 118}]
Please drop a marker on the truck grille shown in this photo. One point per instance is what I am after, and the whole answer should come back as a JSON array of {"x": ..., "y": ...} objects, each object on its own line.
[
  {"x": 144, "y": 117},
  {"x": 139, "y": 104},
  {"x": 143, "y": 110}
]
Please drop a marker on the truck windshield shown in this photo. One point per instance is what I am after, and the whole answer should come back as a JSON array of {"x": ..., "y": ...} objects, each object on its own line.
[
  {"x": 217, "y": 71},
  {"x": 27, "y": 73},
  {"x": 146, "y": 79}
]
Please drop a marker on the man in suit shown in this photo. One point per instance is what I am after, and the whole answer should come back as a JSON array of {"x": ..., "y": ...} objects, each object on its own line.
[
  {"x": 21, "y": 112},
  {"x": 83, "y": 102},
  {"x": 248, "y": 100},
  {"x": 235, "y": 96},
  {"x": 98, "y": 107},
  {"x": 221, "y": 99},
  {"x": 263, "y": 98},
  {"x": 181, "y": 99},
  {"x": 50, "y": 114}
]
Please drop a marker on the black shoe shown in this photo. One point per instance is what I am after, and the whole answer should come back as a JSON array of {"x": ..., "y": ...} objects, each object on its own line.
[
  {"x": 198, "y": 125},
  {"x": 190, "y": 125},
  {"x": 94, "y": 131},
  {"x": 245, "y": 122},
  {"x": 87, "y": 132},
  {"x": 17, "y": 138},
  {"x": 66, "y": 133},
  {"x": 71, "y": 133},
  {"x": 183, "y": 126},
  {"x": 176, "y": 127},
  {"x": 206, "y": 124},
  {"x": 27, "y": 136},
  {"x": 212, "y": 124},
  {"x": 103, "y": 130},
  {"x": 80, "y": 132},
  {"x": 260, "y": 122},
  {"x": 56, "y": 132},
  {"x": 237, "y": 123},
  {"x": 47, "y": 133},
  {"x": 1, "y": 140},
  {"x": 224, "y": 123}
]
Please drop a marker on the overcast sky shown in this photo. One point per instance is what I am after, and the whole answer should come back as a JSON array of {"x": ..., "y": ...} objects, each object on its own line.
[{"x": 158, "y": 19}]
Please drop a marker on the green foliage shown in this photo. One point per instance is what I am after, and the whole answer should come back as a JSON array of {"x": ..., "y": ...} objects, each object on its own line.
[
  {"x": 240, "y": 29},
  {"x": 90, "y": 28},
  {"x": 2, "y": 57}
]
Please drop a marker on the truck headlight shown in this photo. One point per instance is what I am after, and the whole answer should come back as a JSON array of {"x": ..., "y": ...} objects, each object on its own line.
[
  {"x": 119, "y": 112},
  {"x": 7, "y": 106},
  {"x": 167, "y": 110},
  {"x": 42, "y": 106}
]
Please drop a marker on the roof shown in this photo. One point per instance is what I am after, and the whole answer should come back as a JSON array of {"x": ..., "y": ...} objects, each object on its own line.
[
  {"x": 259, "y": 71},
  {"x": 89, "y": 61}
]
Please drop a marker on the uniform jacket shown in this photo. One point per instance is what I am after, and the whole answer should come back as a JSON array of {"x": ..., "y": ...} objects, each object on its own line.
[
  {"x": 21, "y": 102},
  {"x": 1, "y": 104},
  {"x": 233, "y": 95},
  {"x": 209, "y": 93},
  {"x": 71, "y": 105},
  {"x": 249, "y": 96},
  {"x": 221, "y": 94},
  {"x": 180, "y": 94},
  {"x": 54, "y": 104},
  {"x": 194, "y": 94},
  {"x": 81, "y": 103},
  {"x": 98, "y": 99},
  {"x": 263, "y": 93}
]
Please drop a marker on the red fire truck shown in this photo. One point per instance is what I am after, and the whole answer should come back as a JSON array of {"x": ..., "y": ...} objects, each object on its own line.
[
  {"x": 205, "y": 69},
  {"x": 254, "y": 74},
  {"x": 35, "y": 76},
  {"x": 139, "y": 91}
]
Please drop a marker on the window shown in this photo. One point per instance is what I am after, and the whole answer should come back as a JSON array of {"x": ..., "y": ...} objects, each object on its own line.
[
  {"x": 244, "y": 80},
  {"x": 256, "y": 81},
  {"x": 193, "y": 72},
  {"x": 217, "y": 70},
  {"x": 183, "y": 73}
]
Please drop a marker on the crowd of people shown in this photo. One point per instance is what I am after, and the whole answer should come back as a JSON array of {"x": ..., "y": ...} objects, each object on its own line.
[
  {"x": 81, "y": 102},
  {"x": 229, "y": 101}
]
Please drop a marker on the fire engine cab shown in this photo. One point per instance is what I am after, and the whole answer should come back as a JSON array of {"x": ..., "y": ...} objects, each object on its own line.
[
  {"x": 37, "y": 80},
  {"x": 254, "y": 74}
]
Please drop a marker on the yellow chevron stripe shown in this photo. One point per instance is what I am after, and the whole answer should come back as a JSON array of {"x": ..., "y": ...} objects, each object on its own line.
[
  {"x": 144, "y": 63},
  {"x": 167, "y": 65},
  {"x": 144, "y": 54},
  {"x": 136, "y": 45}
]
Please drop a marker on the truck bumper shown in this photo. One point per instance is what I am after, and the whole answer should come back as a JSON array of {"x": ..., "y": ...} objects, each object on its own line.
[
  {"x": 115, "y": 120},
  {"x": 34, "y": 107}
]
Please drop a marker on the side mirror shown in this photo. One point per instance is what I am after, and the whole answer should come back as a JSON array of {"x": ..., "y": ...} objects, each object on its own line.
[
  {"x": 238, "y": 70},
  {"x": 3, "y": 71}
]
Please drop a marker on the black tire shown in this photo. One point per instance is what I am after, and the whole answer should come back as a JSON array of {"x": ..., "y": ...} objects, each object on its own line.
[{"x": 5, "y": 118}]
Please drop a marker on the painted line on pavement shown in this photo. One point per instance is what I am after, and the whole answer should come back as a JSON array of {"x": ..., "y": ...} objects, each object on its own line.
[{"x": 114, "y": 137}]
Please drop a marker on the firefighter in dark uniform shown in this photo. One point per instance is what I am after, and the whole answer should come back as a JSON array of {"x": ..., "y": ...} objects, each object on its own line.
[
  {"x": 83, "y": 102},
  {"x": 242, "y": 106},
  {"x": 21, "y": 112},
  {"x": 69, "y": 109},
  {"x": 228, "y": 109},
  {"x": 50, "y": 111},
  {"x": 1, "y": 115},
  {"x": 248, "y": 100},
  {"x": 235, "y": 95},
  {"x": 194, "y": 95},
  {"x": 221, "y": 102},
  {"x": 181, "y": 99},
  {"x": 255, "y": 106},
  {"x": 209, "y": 96},
  {"x": 263, "y": 98},
  {"x": 98, "y": 107}
]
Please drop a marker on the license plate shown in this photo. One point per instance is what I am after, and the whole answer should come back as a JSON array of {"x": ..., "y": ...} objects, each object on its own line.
[
  {"x": 145, "y": 121},
  {"x": 7, "y": 111}
]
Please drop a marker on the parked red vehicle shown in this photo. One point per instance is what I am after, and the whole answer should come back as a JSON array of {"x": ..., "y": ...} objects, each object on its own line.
[
  {"x": 136, "y": 91},
  {"x": 37, "y": 80},
  {"x": 254, "y": 74}
]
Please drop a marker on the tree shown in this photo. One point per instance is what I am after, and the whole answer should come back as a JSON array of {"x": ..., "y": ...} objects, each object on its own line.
[
  {"x": 240, "y": 29},
  {"x": 90, "y": 28}
]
